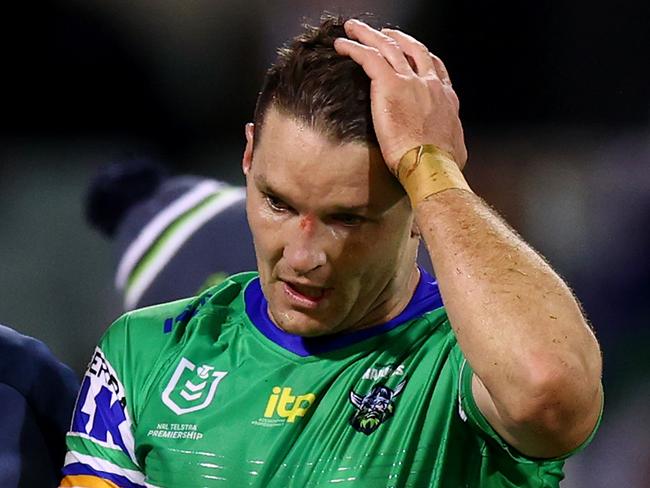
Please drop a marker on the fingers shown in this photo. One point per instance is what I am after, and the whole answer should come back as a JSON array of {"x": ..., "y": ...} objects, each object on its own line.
[
  {"x": 425, "y": 62},
  {"x": 370, "y": 59},
  {"x": 377, "y": 50},
  {"x": 386, "y": 45},
  {"x": 441, "y": 70}
]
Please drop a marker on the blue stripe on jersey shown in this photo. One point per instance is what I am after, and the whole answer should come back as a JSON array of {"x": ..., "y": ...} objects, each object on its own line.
[
  {"x": 79, "y": 468},
  {"x": 426, "y": 298}
]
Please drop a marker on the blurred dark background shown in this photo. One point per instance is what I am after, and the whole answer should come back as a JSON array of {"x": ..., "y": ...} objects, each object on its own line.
[{"x": 555, "y": 98}]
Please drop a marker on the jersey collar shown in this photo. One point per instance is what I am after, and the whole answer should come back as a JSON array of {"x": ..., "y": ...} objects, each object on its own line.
[{"x": 425, "y": 299}]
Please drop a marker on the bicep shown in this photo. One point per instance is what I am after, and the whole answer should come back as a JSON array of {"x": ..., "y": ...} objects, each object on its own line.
[{"x": 487, "y": 407}]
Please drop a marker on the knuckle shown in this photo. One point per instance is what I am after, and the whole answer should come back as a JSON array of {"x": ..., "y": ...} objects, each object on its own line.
[
  {"x": 392, "y": 45},
  {"x": 371, "y": 52},
  {"x": 454, "y": 98},
  {"x": 434, "y": 82},
  {"x": 376, "y": 53},
  {"x": 422, "y": 48},
  {"x": 391, "y": 42},
  {"x": 439, "y": 65},
  {"x": 392, "y": 32},
  {"x": 372, "y": 56}
]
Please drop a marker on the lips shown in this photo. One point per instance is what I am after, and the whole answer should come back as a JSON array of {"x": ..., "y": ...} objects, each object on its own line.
[
  {"x": 305, "y": 295},
  {"x": 312, "y": 292}
]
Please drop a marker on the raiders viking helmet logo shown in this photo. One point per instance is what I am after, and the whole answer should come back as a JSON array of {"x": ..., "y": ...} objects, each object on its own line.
[{"x": 374, "y": 408}]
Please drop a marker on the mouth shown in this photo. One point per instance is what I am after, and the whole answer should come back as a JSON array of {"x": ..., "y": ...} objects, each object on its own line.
[{"x": 308, "y": 296}]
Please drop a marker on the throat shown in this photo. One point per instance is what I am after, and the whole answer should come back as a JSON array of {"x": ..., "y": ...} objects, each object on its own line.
[{"x": 391, "y": 300}]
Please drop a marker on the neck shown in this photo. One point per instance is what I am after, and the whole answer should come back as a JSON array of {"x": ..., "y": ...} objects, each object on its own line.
[{"x": 392, "y": 300}]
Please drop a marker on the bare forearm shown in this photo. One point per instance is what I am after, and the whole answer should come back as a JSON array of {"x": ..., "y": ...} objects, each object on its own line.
[
  {"x": 515, "y": 320},
  {"x": 536, "y": 363}
]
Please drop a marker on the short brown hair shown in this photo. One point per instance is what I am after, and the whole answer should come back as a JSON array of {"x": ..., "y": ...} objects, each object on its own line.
[{"x": 312, "y": 82}]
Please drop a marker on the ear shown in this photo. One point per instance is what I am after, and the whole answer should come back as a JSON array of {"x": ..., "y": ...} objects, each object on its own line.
[{"x": 247, "y": 159}]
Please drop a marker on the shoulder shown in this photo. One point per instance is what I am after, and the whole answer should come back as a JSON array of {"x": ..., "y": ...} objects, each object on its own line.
[
  {"x": 17, "y": 347},
  {"x": 25, "y": 360},
  {"x": 37, "y": 394},
  {"x": 167, "y": 316},
  {"x": 143, "y": 343},
  {"x": 149, "y": 334}
]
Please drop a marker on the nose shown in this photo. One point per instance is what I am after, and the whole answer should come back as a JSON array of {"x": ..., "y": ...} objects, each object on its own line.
[{"x": 304, "y": 249}]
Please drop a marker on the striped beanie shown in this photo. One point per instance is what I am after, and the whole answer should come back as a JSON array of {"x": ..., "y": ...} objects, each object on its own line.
[{"x": 173, "y": 236}]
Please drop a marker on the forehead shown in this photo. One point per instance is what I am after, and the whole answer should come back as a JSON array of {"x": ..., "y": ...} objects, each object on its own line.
[{"x": 296, "y": 159}]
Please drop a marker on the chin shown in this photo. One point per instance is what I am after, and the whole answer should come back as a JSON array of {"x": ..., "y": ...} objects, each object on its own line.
[{"x": 303, "y": 325}]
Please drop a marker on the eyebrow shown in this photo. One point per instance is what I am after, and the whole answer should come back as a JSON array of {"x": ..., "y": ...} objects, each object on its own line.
[
  {"x": 264, "y": 186},
  {"x": 262, "y": 183}
]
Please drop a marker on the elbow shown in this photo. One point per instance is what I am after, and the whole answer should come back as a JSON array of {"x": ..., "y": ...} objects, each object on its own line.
[{"x": 560, "y": 404}]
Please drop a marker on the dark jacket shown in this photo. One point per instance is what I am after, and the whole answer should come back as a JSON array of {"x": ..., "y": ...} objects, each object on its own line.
[{"x": 37, "y": 395}]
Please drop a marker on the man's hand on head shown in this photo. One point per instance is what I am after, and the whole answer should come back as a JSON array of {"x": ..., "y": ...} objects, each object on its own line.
[{"x": 412, "y": 100}]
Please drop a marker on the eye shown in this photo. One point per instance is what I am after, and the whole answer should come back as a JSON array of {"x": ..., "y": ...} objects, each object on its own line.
[
  {"x": 348, "y": 220},
  {"x": 276, "y": 204}
]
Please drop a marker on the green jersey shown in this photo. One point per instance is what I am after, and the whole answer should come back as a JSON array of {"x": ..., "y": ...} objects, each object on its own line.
[{"x": 208, "y": 392}]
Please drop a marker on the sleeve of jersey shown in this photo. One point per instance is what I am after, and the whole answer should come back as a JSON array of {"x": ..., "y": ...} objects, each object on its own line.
[
  {"x": 469, "y": 412},
  {"x": 100, "y": 443}
]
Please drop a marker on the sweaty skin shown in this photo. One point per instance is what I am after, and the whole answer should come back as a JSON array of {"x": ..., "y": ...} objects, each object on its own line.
[
  {"x": 536, "y": 363},
  {"x": 332, "y": 230}
]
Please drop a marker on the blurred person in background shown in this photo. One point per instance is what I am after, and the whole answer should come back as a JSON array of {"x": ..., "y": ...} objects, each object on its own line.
[
  {"x": 172, "y": 236},
  {"x": 354, "y": 370},
  {"x": 37, "y": 394}
]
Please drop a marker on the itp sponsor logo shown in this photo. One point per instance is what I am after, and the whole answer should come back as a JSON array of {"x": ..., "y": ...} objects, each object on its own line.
[{"x": 286, "y": 405}]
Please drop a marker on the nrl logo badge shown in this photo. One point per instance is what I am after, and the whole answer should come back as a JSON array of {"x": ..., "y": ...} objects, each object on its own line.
[
  {"x": 191, "y": 388},
  {"x": 374, "y": 408}
]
